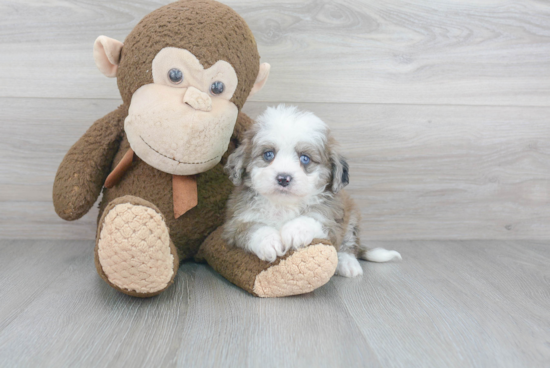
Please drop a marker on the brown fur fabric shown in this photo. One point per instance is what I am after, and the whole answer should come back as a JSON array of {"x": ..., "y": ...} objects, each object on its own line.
[
  {"x": 235, "y": 264},
  {"x": 210, "y": 30},
  {"x": 85, "y": 167},
  {"x": 189, "y": 230}
]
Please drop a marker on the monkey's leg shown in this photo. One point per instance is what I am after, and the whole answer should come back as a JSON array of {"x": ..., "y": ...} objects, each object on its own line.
[
  {"x": 298, "y": 272},
  {"x": 134, "y": 253}
]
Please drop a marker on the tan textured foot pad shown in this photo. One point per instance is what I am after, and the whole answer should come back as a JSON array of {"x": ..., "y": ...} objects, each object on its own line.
[
  {"x": 133, "y": 250},
  {"x": 304, "y": 271}
]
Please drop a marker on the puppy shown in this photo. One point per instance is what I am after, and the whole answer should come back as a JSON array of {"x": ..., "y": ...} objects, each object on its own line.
[{"x": 289, "y": 178}]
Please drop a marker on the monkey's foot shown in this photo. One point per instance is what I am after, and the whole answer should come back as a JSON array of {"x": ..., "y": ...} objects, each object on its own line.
[
  {"x": 298, "y": 272},
  {"x": 134, "y": 253},
  {"x": 302, "y": 272}
]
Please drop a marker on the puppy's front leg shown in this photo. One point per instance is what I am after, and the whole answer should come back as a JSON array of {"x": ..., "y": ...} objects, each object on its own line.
[
  {"x": 301, "y": 231},
  {"x": 348, "y": 266},
  {"x": 260, "y": 239},
  {"x": 265, "y": 242}
]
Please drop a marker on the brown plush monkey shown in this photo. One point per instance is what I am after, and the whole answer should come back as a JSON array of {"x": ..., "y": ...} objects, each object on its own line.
[{"x": 184, "y": 73}]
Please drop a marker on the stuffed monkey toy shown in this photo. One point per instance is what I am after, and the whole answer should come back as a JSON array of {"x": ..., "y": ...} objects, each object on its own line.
[{"x": 184, "y": 73}]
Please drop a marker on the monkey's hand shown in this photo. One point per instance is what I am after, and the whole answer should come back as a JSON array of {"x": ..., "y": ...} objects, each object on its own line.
[{"x": 85, "y": 167}]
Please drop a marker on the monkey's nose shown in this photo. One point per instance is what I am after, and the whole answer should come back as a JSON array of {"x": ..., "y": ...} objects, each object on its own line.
[
  {"x": 284, "y": 179},
  {"x": 197, "y": 99}
]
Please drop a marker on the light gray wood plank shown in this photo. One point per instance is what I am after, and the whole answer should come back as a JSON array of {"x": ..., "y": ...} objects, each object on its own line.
[
  {"x": 448, "y": 303},
  {"x": 494, "y": 52},
  {"x": 37, "y": 219},
  {"x": 456, "y": 304},
  {"x": 80, "y": 321},
  {"x": 27, "y": 268},
  {"x": 312, "y": 330},
  {"x": 417, "y": 172},
  {"x": 38, "y": 134}
]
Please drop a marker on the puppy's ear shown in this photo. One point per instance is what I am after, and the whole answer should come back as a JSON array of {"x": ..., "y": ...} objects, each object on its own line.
[
  {"x": 340, "y": 172},
  {"x": 235, "y": 166}
]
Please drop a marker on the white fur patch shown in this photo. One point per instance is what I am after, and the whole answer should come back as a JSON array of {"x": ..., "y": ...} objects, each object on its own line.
[
  {"x": 288, "y": 125},
  {"x": 286, "y": 129},
  {"x": 348, "y": 265},
  {"x": 266, "y": 244},
  {"x": 301, "y": 231},
  {"x": 381, "y": 255},
  {"x": 268, "y": 212}
]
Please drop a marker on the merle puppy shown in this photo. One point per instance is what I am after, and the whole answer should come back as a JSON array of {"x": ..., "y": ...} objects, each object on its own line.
[{"x": 289, "y": 178}]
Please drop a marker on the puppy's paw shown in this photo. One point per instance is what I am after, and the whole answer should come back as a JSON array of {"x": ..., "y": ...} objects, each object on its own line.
[
  {"x": 301, "y": 231},
  {"x": 266, "y": 244},
  {"x": 348, "y": 265}
]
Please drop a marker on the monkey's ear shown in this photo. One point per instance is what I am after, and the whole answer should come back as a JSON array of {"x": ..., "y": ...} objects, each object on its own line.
[
  {"x": 107, "y": 55},
  {"x": 263, "y": 73}
]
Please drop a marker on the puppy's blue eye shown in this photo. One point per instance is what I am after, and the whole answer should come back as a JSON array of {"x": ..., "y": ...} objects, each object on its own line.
[
  {"x": 305, "y": 159},
  {"x": 269, "y": 155}
]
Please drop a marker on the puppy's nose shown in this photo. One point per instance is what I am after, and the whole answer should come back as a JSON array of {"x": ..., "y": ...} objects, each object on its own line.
[{"x": 284, "y": 179}]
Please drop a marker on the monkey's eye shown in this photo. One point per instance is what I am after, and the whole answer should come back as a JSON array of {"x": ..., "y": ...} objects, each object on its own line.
[
  {"x": 217, "y": 87},
  {"x": 175, "y": 75},
  {"x": 269, "y": 155},
  {"x": 305, "y": 159}
]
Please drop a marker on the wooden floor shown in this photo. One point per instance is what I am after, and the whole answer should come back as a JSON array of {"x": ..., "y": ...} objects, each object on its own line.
[
  {"x": 448, "y": 304},
  {"x": 443, "y": 111}
]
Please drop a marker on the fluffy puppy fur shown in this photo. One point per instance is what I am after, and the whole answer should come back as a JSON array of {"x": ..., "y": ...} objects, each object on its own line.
[{"x": 289, "y": 177}]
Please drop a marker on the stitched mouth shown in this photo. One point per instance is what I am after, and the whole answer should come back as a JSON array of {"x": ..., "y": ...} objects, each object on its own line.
[{"x": 173, "y": 159}]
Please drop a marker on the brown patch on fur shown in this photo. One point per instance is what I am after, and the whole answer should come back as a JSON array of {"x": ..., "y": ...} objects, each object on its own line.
[{"x": 347, "y": 231}]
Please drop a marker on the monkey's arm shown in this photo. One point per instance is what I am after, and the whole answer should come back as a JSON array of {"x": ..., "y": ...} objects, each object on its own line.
[{"x": 84, "y": 168}]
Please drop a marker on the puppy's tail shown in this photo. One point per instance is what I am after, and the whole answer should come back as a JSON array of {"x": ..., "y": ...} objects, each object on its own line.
[{"x": 379, "y": 255}]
